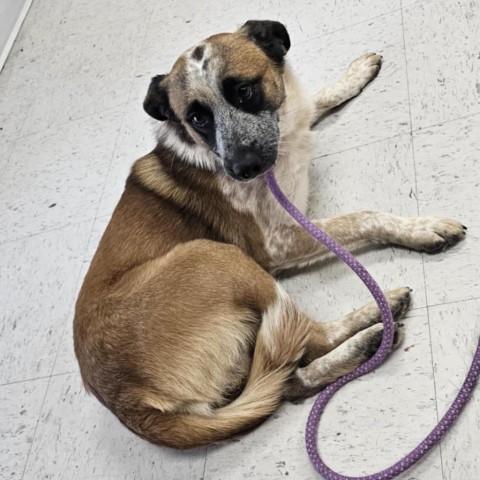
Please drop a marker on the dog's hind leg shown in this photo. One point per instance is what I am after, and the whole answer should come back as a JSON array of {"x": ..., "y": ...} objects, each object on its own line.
[
  {"x": 353, "y": 340},
  {"x": 323, "y": 371},
  {"x": 326, "y": 336},
  {"x": 360, "y": 72}
]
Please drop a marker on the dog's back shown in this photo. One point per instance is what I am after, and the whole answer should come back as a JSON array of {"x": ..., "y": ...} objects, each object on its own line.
[{"x": 169, "y": 312}]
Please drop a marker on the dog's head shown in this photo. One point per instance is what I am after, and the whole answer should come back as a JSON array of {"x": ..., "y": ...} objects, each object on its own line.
[{"x": 224, "y": 94}]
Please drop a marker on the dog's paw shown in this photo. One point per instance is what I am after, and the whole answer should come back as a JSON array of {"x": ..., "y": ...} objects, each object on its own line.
[
  {"x": 398, "y": 300},
  {"x": 371, "y": 338},
  {"x": 433, "y": 234},
  {"x": 362, "y": 71}
]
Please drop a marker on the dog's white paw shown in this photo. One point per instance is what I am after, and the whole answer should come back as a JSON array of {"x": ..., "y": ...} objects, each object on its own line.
[
  {"x": 434, "y": 234},
  {"x": 362, "y": 71},
  {"x": 369, "y": 340}
]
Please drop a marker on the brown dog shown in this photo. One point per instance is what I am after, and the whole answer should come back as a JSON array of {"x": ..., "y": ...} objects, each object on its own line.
[{"x": 180, "y": 328}]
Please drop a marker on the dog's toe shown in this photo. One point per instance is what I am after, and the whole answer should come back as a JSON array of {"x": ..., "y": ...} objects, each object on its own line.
[{"x": 434, "y": 235}]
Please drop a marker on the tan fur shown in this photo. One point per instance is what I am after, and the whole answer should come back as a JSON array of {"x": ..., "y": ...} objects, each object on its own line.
[{"x": 180, "y": 329}]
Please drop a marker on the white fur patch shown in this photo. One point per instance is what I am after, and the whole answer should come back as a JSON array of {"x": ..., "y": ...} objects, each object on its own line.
[
  {"x": 275, "y": 316},
  {"x": 197, "y": 155},
  {"x": 197, "y": 69}
]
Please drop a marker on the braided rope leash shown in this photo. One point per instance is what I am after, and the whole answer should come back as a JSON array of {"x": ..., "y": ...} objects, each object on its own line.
[{"x": 387, "y": 341}]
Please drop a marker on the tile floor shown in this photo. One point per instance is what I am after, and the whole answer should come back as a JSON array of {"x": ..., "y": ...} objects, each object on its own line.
[{"x": 71, "y": 124}]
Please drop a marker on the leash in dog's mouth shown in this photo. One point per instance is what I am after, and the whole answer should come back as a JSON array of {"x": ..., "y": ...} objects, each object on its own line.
[{"x": 313, "y": 420}]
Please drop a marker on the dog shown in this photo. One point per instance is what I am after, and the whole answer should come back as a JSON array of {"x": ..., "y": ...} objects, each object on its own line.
[{"x": 181, "y": 328}]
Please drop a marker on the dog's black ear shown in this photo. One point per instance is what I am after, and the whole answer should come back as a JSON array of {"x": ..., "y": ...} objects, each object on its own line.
[
  {"x": 156, "y": 102},
  {"x": 272, "y": 37}
]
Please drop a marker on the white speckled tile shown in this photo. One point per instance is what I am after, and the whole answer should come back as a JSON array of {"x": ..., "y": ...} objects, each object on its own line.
[
  {"x": 41, "y": 30},
  {"x": 63, "y": 23},
  {"x": 455, "y": 333},
  {"x": 95, "y": 72},
  {"x": 66, "y": 101},
  {"x": 78, "y": 72},
  {"x": 85, "y": 17},
  {"x": 20, "y": 405},
  {"x": 379, "y": 176},
  {"x": 78, "y": 435},
  {"x": 6, "y": 148},
  {"x": 136, "y": 139},
  {"x": 307, "y": 19},
  {"x": 66, "y": 361},
  {"x": 370, "y": 424},
  {"x": 381, "y": 110},
  {"x": 195, "y": 23},
  {"x": 408, "y": 3},
  {"x": 62, "y": 172},
  {"x": 38, "y": 278},
  {"x": 17, "y": 89},
  {"x": 443, "y": 59},
  {"x": 448, "y": 177}
]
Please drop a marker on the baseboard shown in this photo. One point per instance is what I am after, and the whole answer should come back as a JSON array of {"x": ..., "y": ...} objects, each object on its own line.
[{"x": 14, "y": 33}]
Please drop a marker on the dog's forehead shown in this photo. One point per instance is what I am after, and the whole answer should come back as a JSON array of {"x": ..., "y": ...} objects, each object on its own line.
[
  {"x": 221, "y": 56},
  {"x": 203, "y": 64},
  {"x": 230, "y": 55}
]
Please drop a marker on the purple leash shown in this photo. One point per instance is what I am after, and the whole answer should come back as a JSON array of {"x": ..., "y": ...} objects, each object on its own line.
[{"x": 387, "y": 341}]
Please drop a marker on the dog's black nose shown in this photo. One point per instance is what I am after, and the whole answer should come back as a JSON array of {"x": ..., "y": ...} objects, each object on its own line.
[{"x": 247, "y": 165}]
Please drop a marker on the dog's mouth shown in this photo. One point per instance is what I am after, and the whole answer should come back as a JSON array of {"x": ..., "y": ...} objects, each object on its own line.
[{"x": 247, "y": 176}]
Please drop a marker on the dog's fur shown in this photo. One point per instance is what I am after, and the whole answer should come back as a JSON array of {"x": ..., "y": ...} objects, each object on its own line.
[{"x": 180, "y": 328}]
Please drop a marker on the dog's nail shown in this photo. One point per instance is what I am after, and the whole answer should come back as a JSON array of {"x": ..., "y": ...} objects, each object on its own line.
[{"x": 464, "y": 227}]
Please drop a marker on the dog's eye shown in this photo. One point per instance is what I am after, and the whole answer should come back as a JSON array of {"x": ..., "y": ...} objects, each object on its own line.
[
  {"x": 199, "y": 120},
  {"x": 245, "y": 92}
]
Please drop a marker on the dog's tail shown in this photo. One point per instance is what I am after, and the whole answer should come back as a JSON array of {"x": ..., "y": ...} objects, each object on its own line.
[{"x": 280, "y": 344}]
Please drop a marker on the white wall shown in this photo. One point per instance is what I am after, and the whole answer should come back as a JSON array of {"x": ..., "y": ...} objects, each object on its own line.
[{"x": 12, "y": 13}]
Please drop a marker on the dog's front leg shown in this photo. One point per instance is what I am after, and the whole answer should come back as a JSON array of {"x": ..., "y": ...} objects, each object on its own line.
[
  {"x": 292, "y": 246},
  {"x": 360, "y": 72}
]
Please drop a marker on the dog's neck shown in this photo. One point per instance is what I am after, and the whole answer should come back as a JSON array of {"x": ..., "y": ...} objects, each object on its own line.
[{"x": 296, "y": 113}]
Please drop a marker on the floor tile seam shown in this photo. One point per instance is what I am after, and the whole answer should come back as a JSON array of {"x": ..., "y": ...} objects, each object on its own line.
[
  {"x": 360, "y": 145},
  {"x": 413, "y": 133},
  {"x": 37, "y": 423},
  {"x": 346, "y": 27},
  {"x": 412, "y": 143},
  {"x": 46, "y": 231},
  {"x": 34, "y": 379},
  {"x": 56, "y": 126}
]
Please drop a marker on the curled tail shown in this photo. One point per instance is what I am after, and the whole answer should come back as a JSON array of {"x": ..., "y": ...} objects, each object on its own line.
[{"x": 279, "y": 346}]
